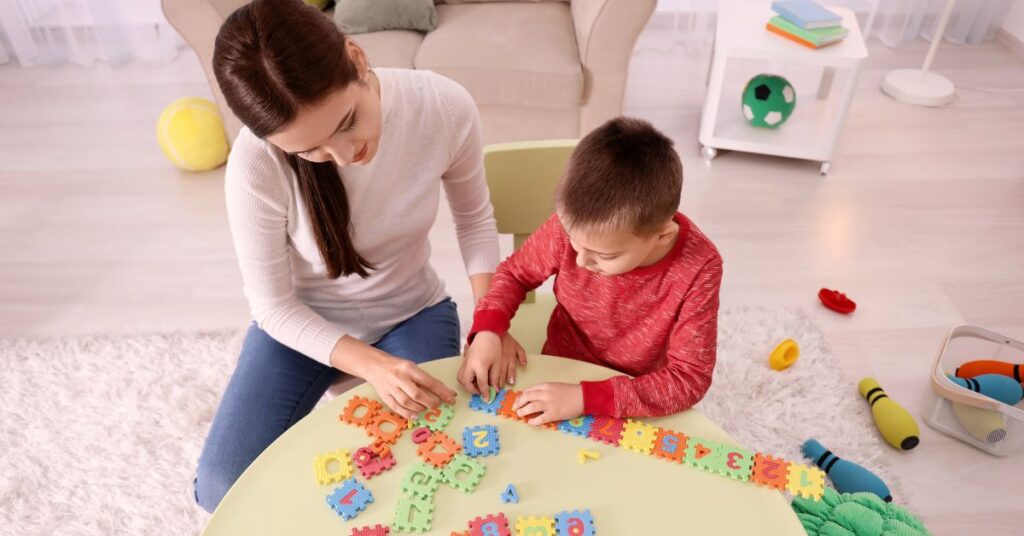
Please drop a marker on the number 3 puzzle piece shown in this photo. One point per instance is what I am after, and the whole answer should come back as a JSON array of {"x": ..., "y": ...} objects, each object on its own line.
[
  {"x": 738, "y": 463},
  {"x": 535, "y": 526},
  {"x": 638, "y": 436}
]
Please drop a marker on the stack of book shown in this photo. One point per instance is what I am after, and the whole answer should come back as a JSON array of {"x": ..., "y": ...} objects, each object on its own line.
[{"x": 807, "y": 23}]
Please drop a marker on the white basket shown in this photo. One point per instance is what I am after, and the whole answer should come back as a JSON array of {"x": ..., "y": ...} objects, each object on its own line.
[{"x": 970, "y": 417}]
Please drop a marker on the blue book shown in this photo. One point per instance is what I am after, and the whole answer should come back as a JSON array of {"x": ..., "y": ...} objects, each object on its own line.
[{"x": 807, "y": 14}]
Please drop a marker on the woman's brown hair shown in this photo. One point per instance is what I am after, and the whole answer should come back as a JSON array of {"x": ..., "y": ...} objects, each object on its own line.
[{"x": 271, "y": 58}]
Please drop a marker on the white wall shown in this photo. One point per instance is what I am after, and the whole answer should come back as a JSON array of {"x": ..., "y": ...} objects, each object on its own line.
[{"x": 1014, "y": 23}]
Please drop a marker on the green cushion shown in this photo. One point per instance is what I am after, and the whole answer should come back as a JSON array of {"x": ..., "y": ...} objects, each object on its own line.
[
  {"x": 362, "y": 16},
  {"x": 855, "y": 514}
]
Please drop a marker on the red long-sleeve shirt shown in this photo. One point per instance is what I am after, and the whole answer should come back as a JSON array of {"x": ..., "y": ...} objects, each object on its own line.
[{"x": 657, "y": 323}]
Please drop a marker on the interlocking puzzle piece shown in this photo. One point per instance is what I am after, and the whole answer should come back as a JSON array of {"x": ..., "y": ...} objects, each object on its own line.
[
  {"x": 421, "y": 434},
  {"x": 386, "y": 426},
  {"x": 376, "y": 530},
  {"x": 349, "y": 499},
  {"x": 422, "y": 481},
  {"x": 638, "y": 436},
  {"x": 770, "y": 471},
  {"x": 580, "y": 426},
  {"x": 463, "y": 473},
  {"x": 607, "y": 430},
  {"x": 738, "y": 463},
  {"x": 492, "y": 407},
  {"x": 413, "y": 515},
  {"x": 325, "y": 473},
  {"x": 705, "y": 454},
  {"x": 575, "y": 523},
  {"x": 508, "y": 403},
  {"x": 436, "y": 419},
  {"x": 352, "y": 415},
  {"x": 380, "y": 448},
  {"x": 438, "y": 458},
  {"x": 481, "y": 441},
  {"x": 370, "y": 464},
  {"x": 463, "y": 533},
  {"x": 492, "y": 525},
  {"x": 805, "y": 481},
  {"x": 510, "y": 495},
  {"x": 585, "y": 455},
  {"x": 535, "y": 526},
  {"x": 670, "y": 445}
]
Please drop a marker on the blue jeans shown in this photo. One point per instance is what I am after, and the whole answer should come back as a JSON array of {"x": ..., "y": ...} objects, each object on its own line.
[{"x": 274, "y": 386}]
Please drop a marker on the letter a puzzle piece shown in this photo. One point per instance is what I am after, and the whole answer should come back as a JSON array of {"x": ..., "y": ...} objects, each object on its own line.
[
  {"x": 607, "y": 430},
  {"x": 670, "y": 445},
  {"x": 376, "y": 530},
  {"x": 738, "y": 463},
  {"x": 332, "y": 467},
  {"x": 535, "y": 526},
  {"x": 436, "y": 419},
  {"x": 463, "y": 473},
  {"x": 477, "y": 403},
  {"x": 349, "y": 499},
  {"x": 770, "y": 471},
  {"x": 580, "y": 426},
  {"x": 638, "y": 436},
  {"x": 481, "y": 441},
  {"x": 413, "y": 515},
  {"x": 492, "y": 525},
  {"x": 806, "y": 481},
  {"x": 511, "y": 495},
  {"x": 360, "y": 411},
  {"x": 575, "y": 523}
]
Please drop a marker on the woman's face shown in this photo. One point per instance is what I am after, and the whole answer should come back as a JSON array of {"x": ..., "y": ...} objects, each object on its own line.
[{"x": 345, "y": 127}]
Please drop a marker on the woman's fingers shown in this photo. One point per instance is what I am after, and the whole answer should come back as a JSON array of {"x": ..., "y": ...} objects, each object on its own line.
[
  {"x": 405, "y": 399},
  {"x": 396, "y": 407},
  {"x": 434, "y": 390}
]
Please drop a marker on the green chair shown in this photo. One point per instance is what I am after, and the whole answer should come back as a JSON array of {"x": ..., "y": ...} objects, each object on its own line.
[{"x": 522, "y": 177}]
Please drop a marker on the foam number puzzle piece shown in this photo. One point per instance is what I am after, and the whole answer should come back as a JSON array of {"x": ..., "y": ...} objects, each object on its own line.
[
  {"x": 575, "y": 523},
  {"x": 670, "y": 445},
  {"x": 477, "y": 403},
  {"x": 386, "y": 426},
  {"x": 580, "y": 426},
  {"x": 585, "y": 455},
  {"x": 805, "y": 481},
  {"x": 438, "y": 450},
  {"x": 738, "y": 463},
  {"x": 535, "y": 526},
  {"x": 510, "y": 495},
  {"x": 421, "y": 481},
  {"x": 492, "y": 525},
  {"x": 360, "y": 411},
  {"x": 413, "y": 515},
  {"x": 638, "y": 436},
  {"x": 380, "y": 448},
  {"x": 607, "y": 430},
  {"x": 481, "y": 441},
  {"x": 370, "y": 464},
  {"x": 332, "y": 467},
  {"x": 349, "y": 499},
  {"x": 463, "y": 473},
  {"x": 436, "y": 419},
  {"x": 376, "y": 530},
  {"x": 508, "y": 403},
  {"x": 705, "y": 454},
  {"x": 770, "y": 471}
]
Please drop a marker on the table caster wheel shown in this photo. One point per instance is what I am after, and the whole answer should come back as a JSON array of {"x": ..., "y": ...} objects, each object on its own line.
[
  {"x": 824, "y": 168},
  {"x": 709, "y": 153}
]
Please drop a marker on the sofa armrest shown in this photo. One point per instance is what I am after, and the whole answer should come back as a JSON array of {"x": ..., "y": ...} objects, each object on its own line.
[
  {"x": 606, "y": 32},
  {"x": 198, "y": 22}
]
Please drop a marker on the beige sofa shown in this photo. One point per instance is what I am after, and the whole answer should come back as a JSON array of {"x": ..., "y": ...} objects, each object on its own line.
[{"x": 537, "y": 69}]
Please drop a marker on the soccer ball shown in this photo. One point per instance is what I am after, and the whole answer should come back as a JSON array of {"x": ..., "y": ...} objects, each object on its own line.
[{"x": 768, "y": 100}]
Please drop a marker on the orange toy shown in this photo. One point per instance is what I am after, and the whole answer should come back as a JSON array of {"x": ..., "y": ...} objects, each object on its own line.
[{"x": 971, "y": 369}]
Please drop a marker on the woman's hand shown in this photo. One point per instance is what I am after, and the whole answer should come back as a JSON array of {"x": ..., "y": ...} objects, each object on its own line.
[
  {"x": 403, "y": 386},
  {"x": 550, "y": 402}
]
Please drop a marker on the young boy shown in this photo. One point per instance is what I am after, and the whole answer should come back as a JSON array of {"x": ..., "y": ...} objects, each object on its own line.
[{"x": 636, "y": 285}]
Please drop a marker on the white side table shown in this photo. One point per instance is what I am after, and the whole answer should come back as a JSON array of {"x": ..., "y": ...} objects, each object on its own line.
[{"x": 811, "y": 132}]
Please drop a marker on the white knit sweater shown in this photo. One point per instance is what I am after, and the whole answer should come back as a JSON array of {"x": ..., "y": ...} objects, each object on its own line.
[{"x": 430, "y": 138}]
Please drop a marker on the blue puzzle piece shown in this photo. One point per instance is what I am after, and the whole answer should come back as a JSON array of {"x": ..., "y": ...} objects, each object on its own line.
[
  {"x": 576, "y": 522},
  {"x": 580, "y": 426},
  {"x": 510, "y": 495},
  {"x": 480, "y": 441},
  {"x": 491, "y": 407},
  {"x": 349, "y": 499}
]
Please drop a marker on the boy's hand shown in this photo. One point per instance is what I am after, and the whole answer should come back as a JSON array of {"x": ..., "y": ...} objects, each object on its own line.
[
  {"x": 483, "y": 365},
  {"x": 512, "y": 355},
  {"x": 553, "y": 401}
]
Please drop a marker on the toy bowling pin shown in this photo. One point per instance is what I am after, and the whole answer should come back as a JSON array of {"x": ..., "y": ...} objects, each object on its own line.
[
  {"x": 983, "y": 424},
  {"x": 896, "y": 425},
  {"x": 1001, "y": 388},
  {"x": 847, "y": 477},
  {"x": 973, "y": 369}
]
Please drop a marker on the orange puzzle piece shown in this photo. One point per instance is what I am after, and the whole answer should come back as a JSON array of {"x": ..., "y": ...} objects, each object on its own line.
[
  {"x": 376, "y": 427},
  {"x": 439, "y": 458},
  {"x": 354, "y": 405},
  {"x": 770, "y": 471},
  {"x": 670, "y": 445}
]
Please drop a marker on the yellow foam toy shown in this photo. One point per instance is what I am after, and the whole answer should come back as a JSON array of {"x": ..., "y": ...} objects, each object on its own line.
[
  {"x": 191, "y": 134},
  {"x": 784, "y": 355}
]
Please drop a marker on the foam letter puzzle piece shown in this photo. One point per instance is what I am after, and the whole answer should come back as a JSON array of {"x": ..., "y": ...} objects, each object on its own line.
[
  {"x": 580, "y": 426},
  {"x": 463, "y": 473},
  {"x": 370, "y": 464},
  {"x": 481, "y": 441},
  {"x": 421, "y": 481},
  {"x": 349, "y": 499},
  {"x": 535, "y": 526},
  {"x": 387, "y": 426},
  {"x": 376, "y": 530},
  {"x": 585, "y": 455},
  {"x": 510, "y": 495},
  {"x": 575, "y": 523},
  {"x": 738, "y": 463},
  {"x": 360, "y": 411},
  {"x": 670, "y": 445},
  {"x": 770, "y": 471},
  {"x": 413, "y": 515},
  {"x": 332, "y": 467},
  {"x": 436, "y": 419},
  {"x": 607, "y": 430},
  {"x": 438, "y": 450},
  {"x": 492, "y": 407},
  {"x": 638, "y": 436},
  {"x": 806, "y": 481},
  {"x": 492, "y": 525},
  {"x": 507, "y": 403}
]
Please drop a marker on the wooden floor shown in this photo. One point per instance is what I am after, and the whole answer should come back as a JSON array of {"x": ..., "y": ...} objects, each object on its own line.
[{"x": 921, "y": 221}]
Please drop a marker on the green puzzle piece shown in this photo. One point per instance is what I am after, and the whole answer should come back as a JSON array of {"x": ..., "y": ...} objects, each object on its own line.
[
  {"x": 463, "y": 473},
  {"x": 421, "y": 481},
  {"x": 436, "y": 419},
  {"x": 413, "y": 515}
]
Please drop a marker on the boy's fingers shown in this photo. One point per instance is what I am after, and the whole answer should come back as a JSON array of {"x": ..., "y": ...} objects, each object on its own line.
[
  {"x": 510, "y": 375},
  {"x": 521, "y": 355},
  {"x": 494, "y": 376},
  {"x": 529, "y": 409},
  {"x": 540, "y": 420},
  {"x": 482, "y": 389}
]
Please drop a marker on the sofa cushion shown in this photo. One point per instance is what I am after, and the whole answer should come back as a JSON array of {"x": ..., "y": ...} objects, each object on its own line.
[
  {"x": 507, "y": 54},
  {"x": 363, "y": 16},
  {"x": 392, "y": 48}
]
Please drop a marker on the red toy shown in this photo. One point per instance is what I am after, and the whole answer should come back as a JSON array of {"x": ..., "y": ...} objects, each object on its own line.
[{"x": 837, "y": 301}]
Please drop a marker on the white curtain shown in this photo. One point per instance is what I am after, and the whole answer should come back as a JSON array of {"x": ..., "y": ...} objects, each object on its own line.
[{"x": 53, "y": 32}]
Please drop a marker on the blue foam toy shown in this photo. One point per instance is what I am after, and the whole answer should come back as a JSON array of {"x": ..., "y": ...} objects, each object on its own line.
[
  {"x": 349, "y": 499},
  {"x": 576, "y": 522},
  {"x": 580, "y": 426},
  {"x": 475, "y": 445},
  {"x": 492, "y": 407},
  {"x": 847, "y": 477},
  {"x": 510, "y": 495},
  {"x": 1002, "y": 388}
]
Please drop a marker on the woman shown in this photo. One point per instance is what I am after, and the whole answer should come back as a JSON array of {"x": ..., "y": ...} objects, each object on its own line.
[{"x": 332, "y": 188}]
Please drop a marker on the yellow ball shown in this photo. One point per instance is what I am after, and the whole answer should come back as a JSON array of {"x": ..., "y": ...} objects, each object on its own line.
[{"x": 191, "y": 134}]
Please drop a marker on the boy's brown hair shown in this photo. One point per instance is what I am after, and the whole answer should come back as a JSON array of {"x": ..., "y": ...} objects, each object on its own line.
[{"x": 625, "y": 174}]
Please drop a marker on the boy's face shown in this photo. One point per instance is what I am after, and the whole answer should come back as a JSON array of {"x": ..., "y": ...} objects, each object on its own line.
[{"x": 620, "y": 250}]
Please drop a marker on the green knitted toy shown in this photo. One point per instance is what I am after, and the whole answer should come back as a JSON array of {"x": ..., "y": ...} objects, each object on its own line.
[{"x": 855, "y": 514}]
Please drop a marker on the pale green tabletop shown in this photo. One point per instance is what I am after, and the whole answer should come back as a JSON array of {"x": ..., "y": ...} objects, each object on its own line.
[{"x": 627, "y": 493}]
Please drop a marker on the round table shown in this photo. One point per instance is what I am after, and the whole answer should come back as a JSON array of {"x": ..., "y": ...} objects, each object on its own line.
[{"x": 627, "y": 493}]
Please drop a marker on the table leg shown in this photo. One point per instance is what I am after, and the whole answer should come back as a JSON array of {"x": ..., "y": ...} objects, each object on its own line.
[
  {"x": 708, "y": 118},
  {"x": 844, "y": 107},
  {"x": 825, "y": 86}
]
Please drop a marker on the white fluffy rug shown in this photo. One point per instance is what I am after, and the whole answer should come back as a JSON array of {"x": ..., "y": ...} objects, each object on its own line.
[{"x": 100, "y": 435}]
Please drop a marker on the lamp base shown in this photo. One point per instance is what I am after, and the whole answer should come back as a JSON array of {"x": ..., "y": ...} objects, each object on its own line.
[{"x": 923, "y": 88}]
